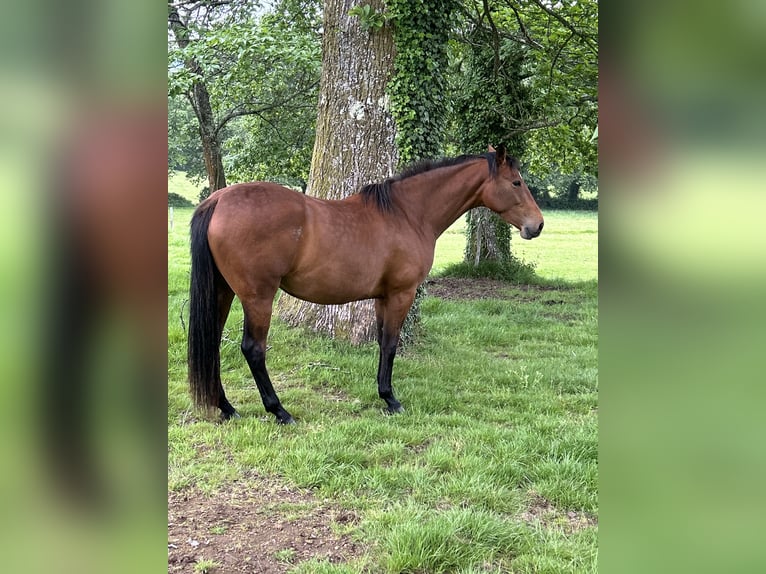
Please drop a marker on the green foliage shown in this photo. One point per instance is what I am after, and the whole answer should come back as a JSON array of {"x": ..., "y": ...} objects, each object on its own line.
[
  {"x": 419, "y": 104},
  {"x": 262, "y": 74},
  {"x": 489, "y": 96},
  {"x": 563, "y": 80},
  {"x": 528, "y": 71},
  {"x": 565, "y": 203},
  {"x": 368, "y": 17},
  {"x": 286, "y": 555},
  {"x": 276, "y": 142},
  {"x": 502, "y": 237},
  {"x": 184, "y": 146},
  {"x": 552, "y": 190},
  {"x": 324, "y": 566},
  {"x": 490, "y": 100},
  {"x": 418, "y": 90},
  {"x": 512, "y": 270},
  {"x": 206, "y": 566},
  {"x": 176, "y": 200},
  {"x": 466, "y": 75}
]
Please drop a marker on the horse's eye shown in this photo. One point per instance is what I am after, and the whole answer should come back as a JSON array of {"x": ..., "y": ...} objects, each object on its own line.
[{"x": 517, "y": 183}]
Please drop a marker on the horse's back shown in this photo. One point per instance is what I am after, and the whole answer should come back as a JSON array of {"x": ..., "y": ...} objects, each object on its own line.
[{"x": 263, "y": 235}]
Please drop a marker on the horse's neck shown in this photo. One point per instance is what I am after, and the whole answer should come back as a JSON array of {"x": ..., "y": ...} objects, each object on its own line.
[{"x": 443, "y": 195}]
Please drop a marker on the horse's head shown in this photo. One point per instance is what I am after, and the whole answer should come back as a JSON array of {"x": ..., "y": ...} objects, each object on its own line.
[{"x": 508, "y": 195}]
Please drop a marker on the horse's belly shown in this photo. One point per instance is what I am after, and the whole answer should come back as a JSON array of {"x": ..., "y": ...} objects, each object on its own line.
[{"x": 332, "y": 289}]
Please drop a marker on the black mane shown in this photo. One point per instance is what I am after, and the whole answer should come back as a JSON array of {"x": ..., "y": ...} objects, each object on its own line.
[{"x": 380, "y": 192}]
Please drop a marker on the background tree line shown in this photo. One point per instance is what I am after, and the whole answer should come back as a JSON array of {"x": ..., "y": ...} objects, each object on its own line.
[{"x": 519, "y": 72}]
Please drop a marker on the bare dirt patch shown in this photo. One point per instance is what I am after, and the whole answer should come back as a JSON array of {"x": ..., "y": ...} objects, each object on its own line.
[
  {"x": 541, "y": 511},
  {"x": 462, "y": 289},
  {"x": 255, "y": 526}
]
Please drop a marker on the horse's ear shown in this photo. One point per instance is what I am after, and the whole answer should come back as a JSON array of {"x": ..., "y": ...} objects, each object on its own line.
[{"x": 500, "y": 157}]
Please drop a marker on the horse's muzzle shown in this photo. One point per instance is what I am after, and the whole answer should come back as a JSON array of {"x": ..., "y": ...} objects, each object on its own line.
[{"x": 530, "y": 232}]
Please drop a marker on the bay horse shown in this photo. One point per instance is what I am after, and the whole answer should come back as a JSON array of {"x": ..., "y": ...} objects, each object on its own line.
[{"x": 251, "y": 239}]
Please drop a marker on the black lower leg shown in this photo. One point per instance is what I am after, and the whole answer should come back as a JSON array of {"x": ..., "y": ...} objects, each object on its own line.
[
  {"x": 225, "y": 297},
  {"x": 390, "y": 312},
  {"x": 255, "y": 354},
  {"x": 385, "y": 370},
  {"x": 227, "y": 411}
]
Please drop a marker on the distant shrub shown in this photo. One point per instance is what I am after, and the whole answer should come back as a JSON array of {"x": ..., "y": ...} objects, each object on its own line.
[
  {"x": 513, "y": 270},
  {"x": 578, "y": 204},
  {"x": 175, "y": 200}
]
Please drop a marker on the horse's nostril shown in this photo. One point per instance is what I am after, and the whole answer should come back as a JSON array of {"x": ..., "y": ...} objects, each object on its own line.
[{"x": 539, "y": 229}]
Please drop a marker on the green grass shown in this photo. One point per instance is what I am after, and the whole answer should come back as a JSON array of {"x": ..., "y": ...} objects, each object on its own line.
[
  {"x": 286, "y": 555},
  {"x": 513, "y": 271},
  {"x": 567, "y": 249},
  {"x": 206, "y": 566},
  {"x": 179, "y": 183},
  {"x": 501, "y": 399}
]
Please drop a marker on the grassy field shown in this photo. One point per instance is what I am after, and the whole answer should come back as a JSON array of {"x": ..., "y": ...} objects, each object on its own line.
[
  {"x": 567, "y": 250},
  {"x": 179, "y": 183},
  {"x": 493, "y": 466}
]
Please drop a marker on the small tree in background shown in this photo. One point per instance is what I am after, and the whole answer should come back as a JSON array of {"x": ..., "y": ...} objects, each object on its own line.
[
  {"x": 489, "y": 99},
  {"x": 233, "y": 65}
]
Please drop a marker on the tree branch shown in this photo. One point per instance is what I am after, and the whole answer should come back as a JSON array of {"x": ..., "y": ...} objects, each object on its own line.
[
  {"x": 542, "y": 123},
  {"x": 586, "y": 38},
  {"x": 556, "y": 58},
  {"x": 245, "y": 109},
  {"x": 275, "y": 128},
  {"x": 495, "y": 35},
  {"x": 523, "y": 28}
]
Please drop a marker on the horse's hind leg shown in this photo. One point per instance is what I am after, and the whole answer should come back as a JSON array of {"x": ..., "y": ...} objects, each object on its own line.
[
  {"x": 225, "y": 298},
  {"x": 257, "y": 320}
]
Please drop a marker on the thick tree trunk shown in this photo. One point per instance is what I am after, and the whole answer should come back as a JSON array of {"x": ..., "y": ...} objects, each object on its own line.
[
  {"x": 354, "y": 145},
  {"x": 211, "y": 145},
  {"x": 199, "y": 98}
]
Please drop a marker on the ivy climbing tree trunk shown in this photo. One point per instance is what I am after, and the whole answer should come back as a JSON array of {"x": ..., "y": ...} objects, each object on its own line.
[
  {"x": 354, "y": 144},
  {"x": 489, "y": 237},
  {"x": 488, "y": 98},
  {"x": 418, "y": 92}
]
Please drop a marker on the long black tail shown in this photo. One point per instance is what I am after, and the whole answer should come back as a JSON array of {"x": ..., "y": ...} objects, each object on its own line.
[{"x": 204, "y": 358}]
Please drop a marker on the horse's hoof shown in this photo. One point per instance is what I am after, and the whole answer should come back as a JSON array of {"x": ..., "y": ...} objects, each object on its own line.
[
  {"x": 395, "y": 410},
  {"x": 228, "y": 416},
  {"x": 288, "y": 420}
]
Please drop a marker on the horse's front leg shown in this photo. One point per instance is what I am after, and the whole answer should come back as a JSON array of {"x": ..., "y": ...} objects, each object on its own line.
[{"x": 391, "y": 312}]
